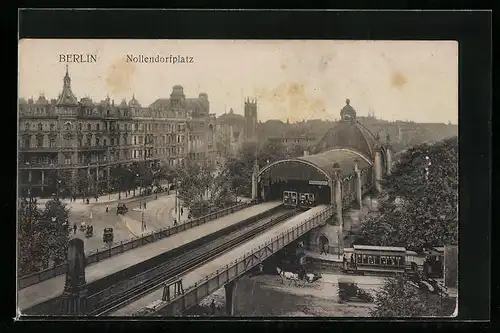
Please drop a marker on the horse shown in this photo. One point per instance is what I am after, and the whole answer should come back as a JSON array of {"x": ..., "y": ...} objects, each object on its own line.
[
  {"x": 288, "y": 275},
  {"x": 310, "y": 277}
]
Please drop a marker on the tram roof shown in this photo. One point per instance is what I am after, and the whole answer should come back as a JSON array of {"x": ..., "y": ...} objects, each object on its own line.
[
  {"x": 344, "y": 158},
  {"x": 379, "y": 248}
]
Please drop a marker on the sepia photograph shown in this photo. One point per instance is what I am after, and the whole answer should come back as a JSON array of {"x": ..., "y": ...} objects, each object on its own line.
[{"x": 237, "y": 178}]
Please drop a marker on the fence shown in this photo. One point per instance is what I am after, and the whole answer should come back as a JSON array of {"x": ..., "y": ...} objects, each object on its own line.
[
  {"x": 132, "y": 243},
  {"x": 201, "y": 289}
]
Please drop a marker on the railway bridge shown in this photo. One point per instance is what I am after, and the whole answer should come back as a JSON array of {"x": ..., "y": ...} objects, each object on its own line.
[{"x": 343, "y": 171}]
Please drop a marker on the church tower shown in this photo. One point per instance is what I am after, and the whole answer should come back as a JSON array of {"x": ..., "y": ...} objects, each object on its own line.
[
  {"x": 250, "y": 119},
  {"x": 67, "y": 104}
]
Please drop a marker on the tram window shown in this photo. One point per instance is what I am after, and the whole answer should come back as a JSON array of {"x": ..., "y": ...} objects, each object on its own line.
[
  {"x": 365, "y": 259},
  {"x": 370, "y": 260},
  {"x": 401, "y": 261},
  {"x": 358, "y": 256},
  {"x": 391, "y": 261},
  {"x": 383, "y": 260},
  {"x": 377, "y": 260}
]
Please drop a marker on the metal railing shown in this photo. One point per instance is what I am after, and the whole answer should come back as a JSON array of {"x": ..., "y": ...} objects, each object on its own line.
[
  {"x": 116, "y": 248},
  {"x": 212, "y": 282}
]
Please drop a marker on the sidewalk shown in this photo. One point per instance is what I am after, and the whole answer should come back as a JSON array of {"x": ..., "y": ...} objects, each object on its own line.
[
  {"x": 325, "y": 257},
  {"x": 107, "y": 198}
]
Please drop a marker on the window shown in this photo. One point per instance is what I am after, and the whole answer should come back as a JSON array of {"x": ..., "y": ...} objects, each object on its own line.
[
  {"x": 112, "y": 141},
  {"x": 68, "y": 126},
  {"x": 135, "y": 140},
  {"x": 39, "y": 141},
  {"x": 67, "y": 159},
  {"x": 383, "y": 260},
  {"x": 104, "y": 143},
  {"x": 136, "y": 127},
  {"x": 97, "y": 141},
  {"x": 89, "y": 141},
  {"x": 365, "y": 259},
  {"x": 370, "y": 260},
  {"x": 89, "y": 127},
  {"x": 358, "y": 258},
  {"x": 27, "y": 126},
  {"x": 80, "y": 126},
  {"x": 377, "y": 260},
  {"x": 97, "y": 127},
  {"x": 79, "y": 142},
  {"x": 40, "y": 127},
  {"x": 52, "y": 142}
]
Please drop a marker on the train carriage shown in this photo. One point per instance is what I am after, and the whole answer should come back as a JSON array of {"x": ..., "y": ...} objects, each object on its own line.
[
  {"x": 290, "y": 199},
  {"x": 307, "y": 200}
]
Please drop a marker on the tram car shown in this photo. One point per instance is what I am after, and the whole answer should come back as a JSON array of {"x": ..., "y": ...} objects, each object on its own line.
[{"x": 383, "y": 260}]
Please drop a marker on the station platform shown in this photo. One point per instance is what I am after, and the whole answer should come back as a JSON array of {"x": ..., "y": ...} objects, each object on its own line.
[
  {"x": 210, "y": 267},
  {"x": 51, "y": 288}
]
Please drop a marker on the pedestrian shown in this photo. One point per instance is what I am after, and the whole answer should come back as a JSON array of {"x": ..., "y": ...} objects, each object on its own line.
[
  {"x": 96, "y": 197},
  {"x": 175, "y": 222},
  {"x": 144, "y": 204},
  {"x": 182, "y": 211},
  {"x": 88, "y": 201},
  {"x": 212, "y": 307},
  {"x": 344, "y": 261},
  {"x": 322, "y": 250},
  {"x": 107, "y": 208},
  {"x": 74, "y": 228}
]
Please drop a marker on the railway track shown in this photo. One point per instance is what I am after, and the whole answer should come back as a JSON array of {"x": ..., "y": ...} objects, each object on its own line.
[
  {"x": 53, "y": 306},
  {"x": 118, "y": 297}
]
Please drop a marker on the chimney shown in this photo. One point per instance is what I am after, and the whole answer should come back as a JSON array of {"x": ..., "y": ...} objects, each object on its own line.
[{"x": 306, "y": 152}]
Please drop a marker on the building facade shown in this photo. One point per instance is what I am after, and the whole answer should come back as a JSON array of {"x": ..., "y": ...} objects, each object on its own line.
[
  {"x": 64, "y": 141},
  {"x": 230, "y": 133}
]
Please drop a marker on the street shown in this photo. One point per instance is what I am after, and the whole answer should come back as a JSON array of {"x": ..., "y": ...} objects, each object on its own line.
[{"x": 125, "y": 226}]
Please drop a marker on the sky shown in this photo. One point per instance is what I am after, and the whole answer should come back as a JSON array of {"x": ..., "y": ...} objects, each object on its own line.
[{"x": 291, "y": 79}]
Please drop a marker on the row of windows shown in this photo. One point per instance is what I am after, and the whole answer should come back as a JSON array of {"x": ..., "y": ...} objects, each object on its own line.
[
  {"x": 111, "y": 126},
  {"x": 380, "y": 260}
]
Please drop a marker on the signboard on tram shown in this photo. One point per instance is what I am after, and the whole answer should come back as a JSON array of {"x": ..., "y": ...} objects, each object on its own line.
[{"x": 318, "y": 182}]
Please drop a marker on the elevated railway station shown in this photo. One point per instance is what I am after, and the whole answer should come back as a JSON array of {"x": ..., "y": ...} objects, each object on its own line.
[
  {"x": 306, "y": 195},
  {"x": 346, "y": 167}
]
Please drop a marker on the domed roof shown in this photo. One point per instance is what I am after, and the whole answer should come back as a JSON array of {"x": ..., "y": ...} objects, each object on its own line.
[
  {"x": 347, "y": 112},
  {"x": 348, "y": 134},
  {"x": 231, "y": 117}
]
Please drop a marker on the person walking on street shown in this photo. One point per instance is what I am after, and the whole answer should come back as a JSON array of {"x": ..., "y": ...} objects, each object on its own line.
[
  {"x": 144, "y": 204},
  {"x": 74, "y": 228},
  {"x": 107, "y": 208},
  {"x": 182, "y": 211},
  {"x": 175, "y": 222}
]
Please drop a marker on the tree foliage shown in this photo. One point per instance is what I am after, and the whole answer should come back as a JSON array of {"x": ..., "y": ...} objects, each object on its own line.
[
  {"x": 43, "y": 235},
  {"x": 400, "y": 298},
  {"x": 202, "y": 189},
  {"x": 418, "y": 210}
]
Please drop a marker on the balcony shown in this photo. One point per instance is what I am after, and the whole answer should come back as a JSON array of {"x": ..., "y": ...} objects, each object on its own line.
[{"x": 43, "y": 149}]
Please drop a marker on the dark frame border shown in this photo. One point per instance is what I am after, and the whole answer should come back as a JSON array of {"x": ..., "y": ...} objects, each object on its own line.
[{"x": 471, "y": 29}]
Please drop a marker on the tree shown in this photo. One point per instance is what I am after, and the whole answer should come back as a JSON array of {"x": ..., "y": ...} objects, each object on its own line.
[
  {"x": 55, "y": 229},
  {"x": 29, "y": 247},
  {"x": 42, "y": 234},
  {"x": 201, "y": 190},
  {"x": 420, "y": 209},
  {"x": 401, "y": 298}
]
